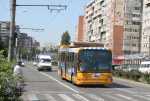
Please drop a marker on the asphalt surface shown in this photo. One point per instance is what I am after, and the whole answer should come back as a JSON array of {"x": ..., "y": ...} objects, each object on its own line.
[{"x": 47, "y": 86}]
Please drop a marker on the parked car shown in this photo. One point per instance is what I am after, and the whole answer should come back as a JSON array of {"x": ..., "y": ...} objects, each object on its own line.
[{"x": 145, "y": 67}]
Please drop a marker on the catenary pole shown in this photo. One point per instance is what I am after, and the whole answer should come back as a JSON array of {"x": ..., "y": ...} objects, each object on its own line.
[{"x": 12, "y": 29}]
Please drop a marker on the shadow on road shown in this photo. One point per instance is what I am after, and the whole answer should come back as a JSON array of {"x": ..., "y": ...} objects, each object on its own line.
[{"x": 114, "y": 85}]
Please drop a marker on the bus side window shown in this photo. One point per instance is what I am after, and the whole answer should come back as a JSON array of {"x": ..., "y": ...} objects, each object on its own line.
[
  {"x": 72, "y": 60},
  {"x": 76, "y": 62}
]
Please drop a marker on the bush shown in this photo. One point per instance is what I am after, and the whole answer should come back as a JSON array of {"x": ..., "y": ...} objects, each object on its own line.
[
  {"x": 117, "y": 73},
  {"x": 146, "y": 78},
  {"x": 134, "y": 75},
  {"x": 8, "y": 83}
]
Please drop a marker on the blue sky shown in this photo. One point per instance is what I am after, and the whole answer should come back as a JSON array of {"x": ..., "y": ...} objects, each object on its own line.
[{"x": 40, "y": 17}]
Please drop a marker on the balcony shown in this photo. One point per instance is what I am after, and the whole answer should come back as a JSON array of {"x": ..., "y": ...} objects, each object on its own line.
[{"x": 148, "y": 4}]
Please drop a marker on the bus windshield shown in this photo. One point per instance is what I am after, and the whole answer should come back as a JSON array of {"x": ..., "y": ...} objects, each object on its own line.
[{"x": 95, "y": 60}]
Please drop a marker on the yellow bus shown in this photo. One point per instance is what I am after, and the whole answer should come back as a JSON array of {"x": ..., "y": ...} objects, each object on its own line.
[{"x": 85, "y": 65}]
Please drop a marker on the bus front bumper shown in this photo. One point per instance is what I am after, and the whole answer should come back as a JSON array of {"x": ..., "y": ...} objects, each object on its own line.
[{"x": 94, "y": 82}]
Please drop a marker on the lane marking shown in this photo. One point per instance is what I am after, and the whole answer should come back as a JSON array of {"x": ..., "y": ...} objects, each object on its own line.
[
  {"x": 65, "y": 97},
  {"x": 50, "y": 77},
  {"x": 125, "y": 90},
  {"x": 80, "y": 97},
  {"x": 148, "y": 95},
  {"x": 33, "y": 97},
  {"x": 126, "y": 97},
  {"x": 113, "y": 98},
  {"x": 95, "y": 97},
  {"x": 49, "y": 97},
  {"x": 143, "y": 97}
]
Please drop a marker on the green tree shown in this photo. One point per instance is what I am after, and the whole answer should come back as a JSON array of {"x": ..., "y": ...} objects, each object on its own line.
[
  {"x": 23, "y": 52},
  {"x": 34, "y": 52},
  {"x": 65, "y": 38},
  {"x": 1, "y": 44},
  {"x": 3, "y": 47}
]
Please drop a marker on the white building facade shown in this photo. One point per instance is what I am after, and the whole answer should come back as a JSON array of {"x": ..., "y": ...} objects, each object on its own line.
[
  {"x": 116, "y": 23},
  {"x": 98, "y": 20},
  {"x": 132, "y": 26},
  {"x": 145, "y": 42}
]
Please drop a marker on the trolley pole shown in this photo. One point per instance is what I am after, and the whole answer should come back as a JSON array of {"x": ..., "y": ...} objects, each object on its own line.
[{"x": 12, "y": 29}]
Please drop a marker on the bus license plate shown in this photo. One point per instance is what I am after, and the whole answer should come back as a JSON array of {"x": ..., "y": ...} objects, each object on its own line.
[{"x": 96, "y": 75}]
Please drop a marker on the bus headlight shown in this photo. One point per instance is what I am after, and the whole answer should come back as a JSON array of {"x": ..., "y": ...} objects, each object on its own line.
[
  {"x": 82, "y": 68},
  {"x": 110, "y": 79}
]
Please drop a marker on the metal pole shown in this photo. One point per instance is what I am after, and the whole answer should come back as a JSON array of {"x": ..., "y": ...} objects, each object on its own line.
[{"x": 12, "y": 28}]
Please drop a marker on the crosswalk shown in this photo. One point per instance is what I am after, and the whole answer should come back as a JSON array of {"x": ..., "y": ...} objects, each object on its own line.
[{"x": 84, "y": 97}]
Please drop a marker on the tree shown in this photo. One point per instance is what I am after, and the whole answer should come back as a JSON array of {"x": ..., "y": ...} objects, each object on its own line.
[
  {"x": 23, "y": 52},
  {"x": 1, "y": 44},
  {"x": 65, "y": 38}
]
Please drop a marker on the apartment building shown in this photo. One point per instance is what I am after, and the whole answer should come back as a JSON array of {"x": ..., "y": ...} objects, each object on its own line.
[
  {"x": 116, "y": 23},
  {"x": 4, "y": 32},
  {"x": 25, "y": 41},
  {"x": 132, "y": 26},
  {"x": 145, "y": 42}
]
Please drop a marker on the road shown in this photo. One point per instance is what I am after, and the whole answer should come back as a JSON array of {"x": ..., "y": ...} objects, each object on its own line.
[{"x": 47, "y": 86}]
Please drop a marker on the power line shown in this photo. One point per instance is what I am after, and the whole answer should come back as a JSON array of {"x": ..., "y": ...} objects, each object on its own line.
[
  {"x": 50, "y": 7},
  {"x": 40, "y": 29}
]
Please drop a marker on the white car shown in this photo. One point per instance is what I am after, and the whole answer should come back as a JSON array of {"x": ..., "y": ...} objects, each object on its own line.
[
  {"x": 145, "y": 67},
  {"x": 44, "y": 64}
]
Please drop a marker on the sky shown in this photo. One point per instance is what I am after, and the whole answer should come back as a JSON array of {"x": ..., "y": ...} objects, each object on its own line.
[{"x": 53, "y": 23}]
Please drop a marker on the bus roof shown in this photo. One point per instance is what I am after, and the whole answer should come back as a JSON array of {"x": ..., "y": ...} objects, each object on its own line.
[
  {"x": 82, "y": 44},
  {"x": 81, "y": 48},
  {"x": 86, "y": 44}
]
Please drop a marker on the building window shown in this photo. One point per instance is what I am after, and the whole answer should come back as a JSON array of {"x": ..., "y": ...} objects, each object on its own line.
[
  {"x": 135, "y": 15},
  {"x": 134, "y": 45},
  {"x": 131, "y": 30},
  {"x": 101, "y": 3},
  {"x": 137, "y": 8},
  {"x": 103, "y": 36},
  {"x": 136, "y": 23}
]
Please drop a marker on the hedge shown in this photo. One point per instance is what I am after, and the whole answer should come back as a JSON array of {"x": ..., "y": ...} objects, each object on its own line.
[
  {"x": 8, "y": 83},
  {"x": 133, "y": 75}
]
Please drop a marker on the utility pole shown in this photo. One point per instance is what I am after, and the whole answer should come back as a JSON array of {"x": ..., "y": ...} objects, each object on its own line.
[{"x": 12, "y": 28}]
